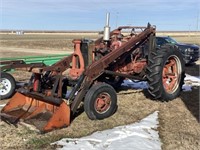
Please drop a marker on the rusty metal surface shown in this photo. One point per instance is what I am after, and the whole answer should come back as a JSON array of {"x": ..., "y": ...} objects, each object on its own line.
[
  {"x": 79, "y": 97},
  {"x": 47, "y": 99},
  {"x": 12, "y": 62},
  {"x": 60, "y": 66},
  {"x": 97, "y": 67},
  {"x": 28, "y": 108},
  {"x": 78, "y": 65},
  {"x": 131, "y": 27},
  {"x": 21, "y": 66},
  {"x": 125, "y": 75}
]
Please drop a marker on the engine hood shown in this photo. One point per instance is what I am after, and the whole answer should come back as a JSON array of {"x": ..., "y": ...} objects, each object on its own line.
[{"x": 183, "y": 45}]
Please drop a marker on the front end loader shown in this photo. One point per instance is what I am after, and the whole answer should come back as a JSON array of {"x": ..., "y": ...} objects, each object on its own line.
[{"x": 90, "y": 76}]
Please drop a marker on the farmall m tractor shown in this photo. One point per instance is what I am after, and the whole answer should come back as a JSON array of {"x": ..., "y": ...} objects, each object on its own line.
[{"x": 92, "y": 73}]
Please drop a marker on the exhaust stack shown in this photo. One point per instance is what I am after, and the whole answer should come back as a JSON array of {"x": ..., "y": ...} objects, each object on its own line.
[{"x": 106, "y": 35}]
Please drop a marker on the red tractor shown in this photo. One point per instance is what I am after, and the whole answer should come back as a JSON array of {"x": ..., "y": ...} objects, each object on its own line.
[{"x": 93, "y": 72}]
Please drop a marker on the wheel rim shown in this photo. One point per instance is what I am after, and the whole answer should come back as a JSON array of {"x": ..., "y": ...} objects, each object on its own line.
[
  {"x": 171, "y": 74},
  {"x": 5, "y": 86},
  {"x": 102, "y": 103}
]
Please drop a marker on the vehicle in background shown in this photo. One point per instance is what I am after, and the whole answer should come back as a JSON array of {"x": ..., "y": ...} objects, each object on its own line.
[{"x": 190, "y": 51}]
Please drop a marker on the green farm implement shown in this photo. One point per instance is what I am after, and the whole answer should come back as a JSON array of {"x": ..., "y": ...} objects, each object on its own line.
[{"x": 8, "y": 83}]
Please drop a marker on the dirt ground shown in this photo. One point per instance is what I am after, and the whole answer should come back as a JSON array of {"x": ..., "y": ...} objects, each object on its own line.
[{"x": 179, "y": 127}]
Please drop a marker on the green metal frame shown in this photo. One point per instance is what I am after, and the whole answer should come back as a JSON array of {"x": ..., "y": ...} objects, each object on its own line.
[{"x": 47, "y": 60}]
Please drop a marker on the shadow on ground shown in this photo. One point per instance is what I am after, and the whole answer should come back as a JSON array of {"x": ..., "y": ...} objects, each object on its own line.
[
  {"x": 191, "y": 98},
  {"x": 191, "y": 101}
]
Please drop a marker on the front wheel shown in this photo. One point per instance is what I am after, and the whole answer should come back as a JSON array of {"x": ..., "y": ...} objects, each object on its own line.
[
  {"x": 165, "y": 73},
  {"x": 7, "y": 85},
  {"x": 100, "y": 101}
]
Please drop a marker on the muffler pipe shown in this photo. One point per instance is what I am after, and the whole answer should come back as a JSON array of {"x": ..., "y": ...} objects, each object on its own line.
[
  {"x": 107, "y": 19},
  {"x": 106, "y": 35}
]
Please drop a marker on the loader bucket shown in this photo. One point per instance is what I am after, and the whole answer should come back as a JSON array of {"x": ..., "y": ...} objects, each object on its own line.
[{"x": 44, "y": 116}]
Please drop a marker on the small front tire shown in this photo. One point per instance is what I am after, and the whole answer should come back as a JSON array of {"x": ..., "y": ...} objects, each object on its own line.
[{"x": 100, "y": 101}]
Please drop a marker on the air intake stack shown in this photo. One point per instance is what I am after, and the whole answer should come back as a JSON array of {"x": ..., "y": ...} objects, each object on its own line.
[{"x": 106, "y": 35}]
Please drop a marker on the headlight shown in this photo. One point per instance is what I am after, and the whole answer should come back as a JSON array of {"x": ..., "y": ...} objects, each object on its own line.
[{"x": 189, "y": 50}]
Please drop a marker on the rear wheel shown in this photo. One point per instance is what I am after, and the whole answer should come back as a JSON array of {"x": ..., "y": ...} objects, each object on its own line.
[
  {"x": 165, "y": 73},
  {"x": 7, "y": 85},
  {"x": 100, "y": 101}
]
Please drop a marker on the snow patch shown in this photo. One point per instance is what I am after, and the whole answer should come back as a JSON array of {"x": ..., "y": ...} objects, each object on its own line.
[
  {"x": 190, "y": 81},
  {"x": 187, "y": 88},
  {"x": 140, "y": 136},
  {"x": 2, "y": 105},
  {"x": 135, "y": 84},
  {"x": 193, "y": 79}
]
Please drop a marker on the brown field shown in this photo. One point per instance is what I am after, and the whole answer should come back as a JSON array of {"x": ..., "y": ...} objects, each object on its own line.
[
  {"x": 61, "y": 42},
  {"x": 179, "y": 126},
  {"x": 188, "y": 39},
  {"x": 41, "y": 41}
]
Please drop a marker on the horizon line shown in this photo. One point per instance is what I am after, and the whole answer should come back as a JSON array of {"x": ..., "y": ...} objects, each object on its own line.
[{"x": 78, "y": 31}]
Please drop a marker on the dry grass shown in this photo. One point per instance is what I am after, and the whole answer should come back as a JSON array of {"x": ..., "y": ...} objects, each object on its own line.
[
  {"x": 81, "y": 125},
  {"x": 41, "y": 41},
  {"x": 60, "y": 41},
  {"x": 188, "y": 39},
  {"x": 179, "y": 128}
]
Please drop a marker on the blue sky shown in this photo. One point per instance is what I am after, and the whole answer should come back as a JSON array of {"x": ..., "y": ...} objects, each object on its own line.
[{"x": 90, "y": 14}]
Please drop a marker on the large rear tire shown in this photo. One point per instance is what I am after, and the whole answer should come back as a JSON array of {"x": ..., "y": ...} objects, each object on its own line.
[
  {"x": 100, "y": 101},
  {"x": 7, "y": 85},
  {"x": 165, "y": 73}
]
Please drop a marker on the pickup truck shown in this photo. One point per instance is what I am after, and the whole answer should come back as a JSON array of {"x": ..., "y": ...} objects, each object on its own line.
[{"x": 190, "y": 52}]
